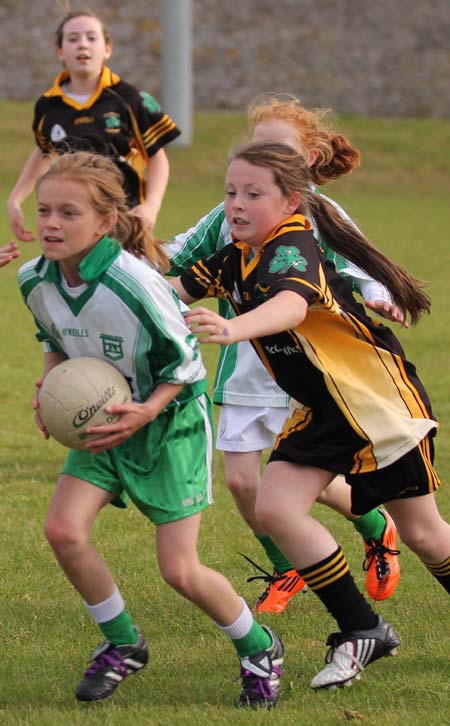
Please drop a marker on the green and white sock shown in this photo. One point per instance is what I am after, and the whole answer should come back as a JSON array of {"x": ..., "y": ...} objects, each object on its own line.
[
  {"x": 113, "y": 620},
  {"x": 248, "y": 636}
]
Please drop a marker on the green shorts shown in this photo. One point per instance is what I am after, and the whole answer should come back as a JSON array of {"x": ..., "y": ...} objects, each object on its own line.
[{"x": 165, "y": 468}]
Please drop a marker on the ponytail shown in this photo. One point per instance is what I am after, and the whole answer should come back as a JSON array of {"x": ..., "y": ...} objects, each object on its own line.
[
  {"x": 136, "y": 238},
  {"x": 345, "y": 239},
  {"x": 335, "y": 157}
]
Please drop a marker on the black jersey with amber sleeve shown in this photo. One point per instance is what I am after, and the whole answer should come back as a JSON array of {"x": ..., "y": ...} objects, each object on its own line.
[
  {"x": 362, "y": 398},
  {"x": 130, "y": 123}
]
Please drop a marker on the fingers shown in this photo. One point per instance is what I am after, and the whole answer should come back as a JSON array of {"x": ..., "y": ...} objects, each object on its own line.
[
  {"x": 114, "y": 434},
  {"x": 17, "y": 226},
  {"x": 200, "y": 314},
  {"x": 35, "y": 399},
  {"x": 8, "y": 253},
  {"x": 103, "y": 443},
  {"x": 109, "y": 440},
  {"x": 40, "y": 425},
  {"x": 387, "y": 310},
  {"x": 25, "y": 235},
  {"x": 209, "y": 326},
  {"x": 122, "y": 408}
]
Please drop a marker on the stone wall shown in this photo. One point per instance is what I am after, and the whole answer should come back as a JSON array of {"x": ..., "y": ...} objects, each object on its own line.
[{"x": 385, "y": 58}]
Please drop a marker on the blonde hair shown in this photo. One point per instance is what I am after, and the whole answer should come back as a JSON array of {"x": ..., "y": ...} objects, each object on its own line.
[
  {"x": 105, "y": 183},
  {"x": 334, "y": 153},
  {"x": 292, "y": 174}
]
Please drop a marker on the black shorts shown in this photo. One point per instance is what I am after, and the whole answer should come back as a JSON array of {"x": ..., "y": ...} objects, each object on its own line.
[{"x": 413, "y": 475}]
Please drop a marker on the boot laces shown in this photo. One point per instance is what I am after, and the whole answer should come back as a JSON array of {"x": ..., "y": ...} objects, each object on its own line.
[{"x": 377, "y": 552}]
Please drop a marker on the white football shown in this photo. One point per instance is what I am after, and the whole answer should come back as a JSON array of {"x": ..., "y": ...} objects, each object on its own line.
[{"x": 74, "y": 396}]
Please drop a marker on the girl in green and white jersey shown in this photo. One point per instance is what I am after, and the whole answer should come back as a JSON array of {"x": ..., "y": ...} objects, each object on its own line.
[{"x": 90, "y": 297}]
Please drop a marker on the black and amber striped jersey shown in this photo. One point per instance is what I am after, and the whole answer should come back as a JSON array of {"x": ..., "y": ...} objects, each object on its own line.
[
  {"x": 130, "y": 123},
  {"x": 364, "y": 406}
]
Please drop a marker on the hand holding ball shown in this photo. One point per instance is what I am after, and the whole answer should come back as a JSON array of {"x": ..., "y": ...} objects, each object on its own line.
[{"x": 74, "y": 396}]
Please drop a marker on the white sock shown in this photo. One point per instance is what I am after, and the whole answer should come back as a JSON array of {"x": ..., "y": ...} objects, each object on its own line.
[
  {"x": 108, "y": 609},
  {"x": 241, "y": 626}
]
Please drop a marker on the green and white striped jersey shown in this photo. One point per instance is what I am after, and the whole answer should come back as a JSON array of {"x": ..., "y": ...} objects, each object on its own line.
[
  {"x": 241, "y": 378},
  {"x": 125, "y": 313}
]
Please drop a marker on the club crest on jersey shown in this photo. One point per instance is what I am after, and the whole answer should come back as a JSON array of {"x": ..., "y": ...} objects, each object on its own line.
[
  {"x": 149, "y": 102},
  {"x": 112, "y": 346},
  {"x": 57, "y": 133},
  {"x": 112, "y": 122},
  {"x": 286, "y": 257}
]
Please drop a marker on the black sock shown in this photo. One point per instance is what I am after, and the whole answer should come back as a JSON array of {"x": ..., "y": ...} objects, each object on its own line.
[
  {"x": 441, "y": 572},
  {"x": 332, "y": 582}
]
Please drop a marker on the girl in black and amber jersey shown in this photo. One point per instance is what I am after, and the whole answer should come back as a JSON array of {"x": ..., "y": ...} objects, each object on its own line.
[
  {"x": 88, "y": 101},
  {"x": 366, "y": 413}
]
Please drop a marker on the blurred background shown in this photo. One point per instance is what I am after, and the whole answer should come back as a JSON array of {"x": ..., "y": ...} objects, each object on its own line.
[{"x": 385, "y": 58}]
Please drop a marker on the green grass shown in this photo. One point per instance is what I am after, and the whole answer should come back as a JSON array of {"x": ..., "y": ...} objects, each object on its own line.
[{"x": 400, "y": 197}]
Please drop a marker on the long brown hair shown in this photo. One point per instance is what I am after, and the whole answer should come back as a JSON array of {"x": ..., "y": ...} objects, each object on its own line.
[
  {"x": 312, "y": 129},
  {"x": 105, "y": 183},
  {"x": 291, "y": 174}
]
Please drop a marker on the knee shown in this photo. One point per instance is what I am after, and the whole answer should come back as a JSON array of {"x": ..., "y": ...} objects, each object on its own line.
[
  {"x": 60, "y": 535},
  {"x": 240, "y": 485},
  {"x": 417, "y": 537},
  {"x": 324, "y": 497},
  {"x": 179, "y": 576},
  {"x": 267, "y": 516}
]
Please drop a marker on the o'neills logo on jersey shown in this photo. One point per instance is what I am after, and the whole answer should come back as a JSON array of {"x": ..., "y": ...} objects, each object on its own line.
[{"x": 85, "y": 414}]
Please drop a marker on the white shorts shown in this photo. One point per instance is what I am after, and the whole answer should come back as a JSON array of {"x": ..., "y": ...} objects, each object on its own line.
[{"x": 249, "y": 428}]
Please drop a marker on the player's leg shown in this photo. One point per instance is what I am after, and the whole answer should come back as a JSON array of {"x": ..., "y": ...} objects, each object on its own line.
[
  {"x": 376, "y": 528},
  {"x": 283, "y": 505},
  {"x": 259, "y": 649},
  {"x": 72, "y": 511},
  {"x": 379, "y": 534},
  {"x": 422, "y": 529},
  {"x": 243, "y": 433},
  {"x": 178, "y": 460},
  {"x": 243, "y": 477}
]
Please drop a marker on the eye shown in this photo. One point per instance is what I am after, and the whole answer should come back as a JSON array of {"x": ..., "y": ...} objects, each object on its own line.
[
  {"x": 230, "y": 193},
  {"x": 42, "y": 211}
]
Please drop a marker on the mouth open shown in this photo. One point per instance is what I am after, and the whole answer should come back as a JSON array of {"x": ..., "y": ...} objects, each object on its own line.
[{"x": 53, "y": 240}]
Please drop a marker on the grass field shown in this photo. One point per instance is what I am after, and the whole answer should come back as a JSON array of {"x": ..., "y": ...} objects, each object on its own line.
[{"x": 400, "y": 197}]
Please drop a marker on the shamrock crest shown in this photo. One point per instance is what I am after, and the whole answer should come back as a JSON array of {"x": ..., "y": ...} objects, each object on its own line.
[
  {"x": 149, "y": 102},
  {"x": 286, "y": 257}
]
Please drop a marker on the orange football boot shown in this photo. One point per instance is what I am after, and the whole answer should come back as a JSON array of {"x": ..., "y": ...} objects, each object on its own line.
[
  {"x": 279, "y": 591},
  {"x": 382, "y": 563},
  {"x": 282, "y": 586}
]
